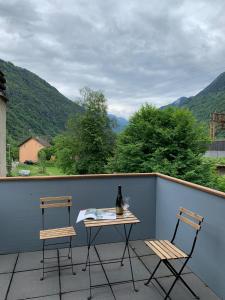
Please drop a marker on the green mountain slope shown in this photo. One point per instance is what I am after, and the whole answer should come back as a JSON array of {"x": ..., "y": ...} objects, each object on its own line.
[
  {"x": 34, "y": 107},
  {"x": 209, "y": 100}
]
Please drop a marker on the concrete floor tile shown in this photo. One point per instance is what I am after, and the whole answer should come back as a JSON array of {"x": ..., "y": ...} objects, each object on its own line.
[
  {"x": 32, "y": 260},
  {"x": 55, "y": 297},
  {"x": 103, "y": 293},
  {"x": 126, "y": 292},
  {"x": 7, "y": 262},
  {"x": 181, "y": 292},
  {"x": 112, "y": 251},
  {"x": 4, "y": 283},
  {"x": 28, "y": 284},
  {"x": 80, "y": 281},
  {"x": 79, "y": 255},
  {"x": 117, "y": 273}
]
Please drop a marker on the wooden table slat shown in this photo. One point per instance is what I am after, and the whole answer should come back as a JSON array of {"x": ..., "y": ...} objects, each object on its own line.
[{"x": 126, "y": 218}]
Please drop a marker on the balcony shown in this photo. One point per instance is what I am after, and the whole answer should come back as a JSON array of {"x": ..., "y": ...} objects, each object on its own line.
[{"x": 155, "y": 199}]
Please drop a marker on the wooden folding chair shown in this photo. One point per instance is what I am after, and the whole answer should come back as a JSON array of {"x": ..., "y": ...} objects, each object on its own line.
[
  {"x": 168, "y": 251},
  {"x": 64, "y": 232}
]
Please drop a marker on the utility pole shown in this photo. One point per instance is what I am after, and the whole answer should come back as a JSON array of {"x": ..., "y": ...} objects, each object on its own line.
[{"x": 3, "y": 103}]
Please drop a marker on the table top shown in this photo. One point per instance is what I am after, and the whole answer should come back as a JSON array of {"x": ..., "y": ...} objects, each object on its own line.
[{"x": 126, "y": 218}]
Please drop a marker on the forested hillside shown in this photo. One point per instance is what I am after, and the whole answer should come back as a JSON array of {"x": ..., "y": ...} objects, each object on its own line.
[
  {"x": 211, "y": 99},
  {"x": 34, "y": 107}
]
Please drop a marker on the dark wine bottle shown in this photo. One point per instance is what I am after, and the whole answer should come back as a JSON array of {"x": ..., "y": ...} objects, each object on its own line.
[{"x": 119, "y": 202}]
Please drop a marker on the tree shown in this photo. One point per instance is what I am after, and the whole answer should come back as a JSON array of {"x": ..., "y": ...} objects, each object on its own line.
[
  {"x": 42, "y": 161},
  {"x": 169, "y": 141},
  {"x": 89, "y": 139}
]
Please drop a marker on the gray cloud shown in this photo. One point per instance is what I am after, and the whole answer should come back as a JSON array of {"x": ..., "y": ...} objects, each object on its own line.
[{"x": 135, "y": 51}]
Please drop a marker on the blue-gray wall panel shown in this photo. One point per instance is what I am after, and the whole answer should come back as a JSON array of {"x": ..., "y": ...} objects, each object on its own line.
[
  {"x": 209, "y": 257},
  {"x": 20, "y": 220}
]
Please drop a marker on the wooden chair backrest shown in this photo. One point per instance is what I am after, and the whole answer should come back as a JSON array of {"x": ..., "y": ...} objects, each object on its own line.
[
  {"x": 194, "y": 217},
  {"x": 52, "y": 202}
]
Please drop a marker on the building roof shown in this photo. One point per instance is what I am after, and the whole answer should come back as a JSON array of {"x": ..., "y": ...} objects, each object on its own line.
[{"x": 38, "y": 139}]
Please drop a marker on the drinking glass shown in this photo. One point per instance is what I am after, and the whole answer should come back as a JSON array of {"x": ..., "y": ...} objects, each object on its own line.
[{"x": 126, "y": 204}]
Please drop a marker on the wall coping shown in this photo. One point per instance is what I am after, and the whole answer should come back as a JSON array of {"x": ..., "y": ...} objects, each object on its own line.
[
  {"x": 95, "y": 176},
  {"x": 88, "y": 176}
]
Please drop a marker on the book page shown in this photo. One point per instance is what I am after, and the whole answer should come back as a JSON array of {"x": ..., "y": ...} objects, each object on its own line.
[
  {"x": 86, "y": 214},
  {"x": 105, "y": 215}
]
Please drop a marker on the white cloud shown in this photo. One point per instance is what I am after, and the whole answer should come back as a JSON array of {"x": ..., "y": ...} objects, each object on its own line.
[{"x": 136, "y": 52}]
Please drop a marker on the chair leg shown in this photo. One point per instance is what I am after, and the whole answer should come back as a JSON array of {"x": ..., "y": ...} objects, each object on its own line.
[
  {"x": 43, "y": 260},
  {"x": 146, "y": 283},
  {"x": 71, "y": 255},
  {"x": 172, "y": 286},
  {"x": 175, "y": 273}
]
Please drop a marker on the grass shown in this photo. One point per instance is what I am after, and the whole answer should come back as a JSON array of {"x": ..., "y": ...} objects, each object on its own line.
[{"x": 36, "y": 170}]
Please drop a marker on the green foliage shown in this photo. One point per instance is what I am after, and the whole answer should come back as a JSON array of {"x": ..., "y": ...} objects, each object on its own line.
[
  {"x": 12, "y": 153},
  {"x": 42, "y": 160},
  {"x": 169, "y": 141},
  {"x": 34, "y": 106},
  {"x": 65, "y": 151},
  {"x": 89, "y": 139},
  {"x": 221, "y": 183},
  {"x": 12, "y": 148},
  {"x": 216, "y": 181},
  {"x": 49, "y": 152},
  {"x": 50, "y": 170}
]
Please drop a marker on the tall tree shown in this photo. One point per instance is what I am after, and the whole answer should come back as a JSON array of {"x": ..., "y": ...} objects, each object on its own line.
[
  {"x": 89, "y": 140},
  {"x": 169, "y": 141}
]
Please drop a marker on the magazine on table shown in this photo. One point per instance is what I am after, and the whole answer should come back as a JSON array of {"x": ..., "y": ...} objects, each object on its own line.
[{"x": 95, "y": 214}]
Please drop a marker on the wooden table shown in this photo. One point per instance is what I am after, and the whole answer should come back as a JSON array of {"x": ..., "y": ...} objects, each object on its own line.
[{"x": 127, "y": 220}]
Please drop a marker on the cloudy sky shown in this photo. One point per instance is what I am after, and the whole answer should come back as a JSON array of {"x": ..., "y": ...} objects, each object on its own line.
[{"x": 135, "y": 51}]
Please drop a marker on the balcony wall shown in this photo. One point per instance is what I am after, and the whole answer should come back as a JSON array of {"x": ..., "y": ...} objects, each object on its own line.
[
  {"x": 208, "y": 259},
  {"x": 20, "y": 219},
  {"x": 155, "y": 199}
]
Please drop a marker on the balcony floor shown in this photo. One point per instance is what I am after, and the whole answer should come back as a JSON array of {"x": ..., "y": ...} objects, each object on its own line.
[{"x": 20, "y": 276}]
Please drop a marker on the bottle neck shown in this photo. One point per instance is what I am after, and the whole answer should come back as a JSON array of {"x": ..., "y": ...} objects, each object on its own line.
[{"x": 119, "y": 190}]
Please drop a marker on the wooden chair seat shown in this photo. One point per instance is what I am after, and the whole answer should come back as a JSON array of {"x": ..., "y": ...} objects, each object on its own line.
[
  {"x": 165, "y": 249},
  {"x": 57, "y": 233}
]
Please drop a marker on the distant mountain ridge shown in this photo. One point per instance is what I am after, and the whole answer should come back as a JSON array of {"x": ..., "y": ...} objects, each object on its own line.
[
  {"x": 217, "y": 85},
  {"x": 35, "y": 107},
  {"x": 120, "y": 122},
  {"x": 210, "y": 99},
  {"x": 179, "y": 102}
]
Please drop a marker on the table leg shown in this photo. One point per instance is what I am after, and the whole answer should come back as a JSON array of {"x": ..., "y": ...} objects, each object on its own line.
[
  {"x": 128, "y": 249},
  {"x": 106, "y": 276},
  {"x": 126, "y": 243},
  {"x": 89, "y": 243},
  {"x": 89, "y": 264},
  {"x": 88, "y": 248}
]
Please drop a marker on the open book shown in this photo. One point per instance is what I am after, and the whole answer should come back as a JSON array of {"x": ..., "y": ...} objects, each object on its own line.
[{"x": 96, "y": 214}]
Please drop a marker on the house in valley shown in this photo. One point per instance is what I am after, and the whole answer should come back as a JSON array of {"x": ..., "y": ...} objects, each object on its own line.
[{"x": 28, "y": 149}]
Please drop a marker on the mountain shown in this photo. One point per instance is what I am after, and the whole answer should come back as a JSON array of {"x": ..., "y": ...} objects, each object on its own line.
[
  {"x": 121, "y": 123},
  {"x": 210, "y": 99},
  {"x": 179, "y": 102},
  {"x": 34, "y": 106}
]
